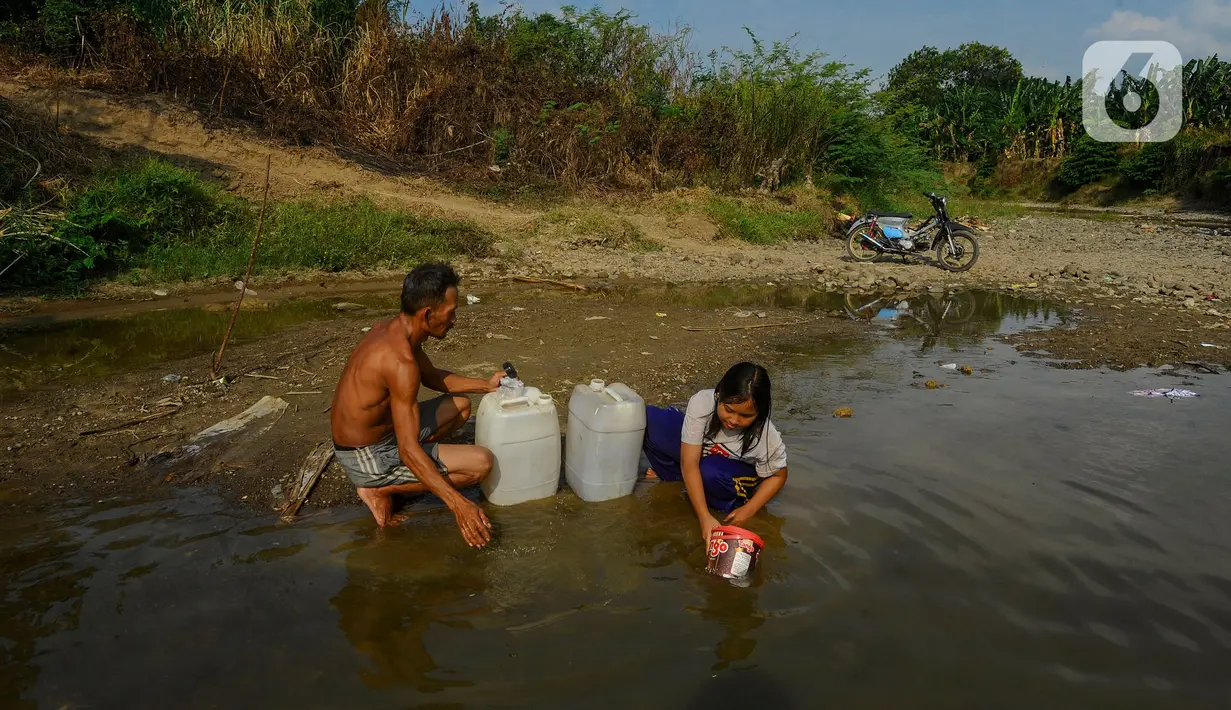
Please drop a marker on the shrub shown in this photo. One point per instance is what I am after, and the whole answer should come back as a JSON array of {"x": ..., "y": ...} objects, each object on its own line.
[
  {"x": 763, "y": 224},
  {"x": 149, "y": 204},
  {"x": 1089, "y": 162},
  {"x": 1144, "y": 167}
]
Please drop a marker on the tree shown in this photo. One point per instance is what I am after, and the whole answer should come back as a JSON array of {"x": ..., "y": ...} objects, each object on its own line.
[{"x": 927, "y": 74}]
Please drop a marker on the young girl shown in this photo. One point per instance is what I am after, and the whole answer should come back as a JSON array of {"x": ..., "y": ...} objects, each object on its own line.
[{"x": 724, "y": 447}]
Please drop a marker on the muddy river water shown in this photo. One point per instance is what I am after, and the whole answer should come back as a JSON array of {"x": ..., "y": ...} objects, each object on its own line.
[{"x": 1025, "y": 537}]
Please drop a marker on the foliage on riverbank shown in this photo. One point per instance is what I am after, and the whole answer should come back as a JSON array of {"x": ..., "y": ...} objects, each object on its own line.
[
  {"x": 580, "y": 98},
  {"x": 974, "y": 105},
  {"x": 152, "y": 221}
]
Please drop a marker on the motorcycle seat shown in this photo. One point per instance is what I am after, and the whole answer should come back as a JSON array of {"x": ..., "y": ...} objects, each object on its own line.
[{"x": 898, "y": 215}]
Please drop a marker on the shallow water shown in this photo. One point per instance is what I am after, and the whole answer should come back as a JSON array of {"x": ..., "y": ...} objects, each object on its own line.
[
  {"x": 38, "y": 352},
  {"x": 1026, "y": 537}
]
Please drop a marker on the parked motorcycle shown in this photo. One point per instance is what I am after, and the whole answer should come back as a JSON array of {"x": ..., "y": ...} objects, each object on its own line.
[{"x": 879, "y": 233}]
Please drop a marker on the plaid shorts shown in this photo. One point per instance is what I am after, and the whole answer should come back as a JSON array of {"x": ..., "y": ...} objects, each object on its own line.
[{"x": 378, "y": 465}]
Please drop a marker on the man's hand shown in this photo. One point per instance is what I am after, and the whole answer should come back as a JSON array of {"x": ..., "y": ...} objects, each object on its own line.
[
  {"x": 739, "y": 516},
  {"x": 493, "y": 383},
  {"x": 475, "y": 526},
  {"x": 708, "y": 523}
]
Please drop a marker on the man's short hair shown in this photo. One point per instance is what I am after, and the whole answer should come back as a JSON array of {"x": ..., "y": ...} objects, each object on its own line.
[{"x": 426, "y": 286}]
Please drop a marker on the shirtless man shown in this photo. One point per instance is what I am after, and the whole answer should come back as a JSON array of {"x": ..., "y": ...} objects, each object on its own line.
[{"x": 388, "y": 444}]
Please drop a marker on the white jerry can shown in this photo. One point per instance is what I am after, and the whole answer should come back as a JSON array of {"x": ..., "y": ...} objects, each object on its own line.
[
  {"x": 606, "y": 426},
  {"x": 523, "y": 434}
]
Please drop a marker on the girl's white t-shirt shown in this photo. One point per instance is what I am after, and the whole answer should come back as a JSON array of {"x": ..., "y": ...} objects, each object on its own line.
[{"x": 768, "y": 453}]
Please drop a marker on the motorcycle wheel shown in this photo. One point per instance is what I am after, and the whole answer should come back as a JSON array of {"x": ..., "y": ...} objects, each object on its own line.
[
  {"x": 962, "y": 308},
  {"x": 858, "y": 248},
  {"x": 962, "y": 256},
  {"x": 864, "y": 306}
]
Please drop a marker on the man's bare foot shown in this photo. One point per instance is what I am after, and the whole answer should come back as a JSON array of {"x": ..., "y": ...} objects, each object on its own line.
[
  {"x": 650, "y": 475},
  {"x": 380, "y": 503}
]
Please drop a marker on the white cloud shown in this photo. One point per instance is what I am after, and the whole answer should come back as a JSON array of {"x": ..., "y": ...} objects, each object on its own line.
[
  {"x": 1203, "y": 28},
  {"x": 1211, "y": 13}
]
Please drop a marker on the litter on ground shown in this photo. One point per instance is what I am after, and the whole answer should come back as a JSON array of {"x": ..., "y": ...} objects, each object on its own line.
[{"x": 1168, "y": 393}]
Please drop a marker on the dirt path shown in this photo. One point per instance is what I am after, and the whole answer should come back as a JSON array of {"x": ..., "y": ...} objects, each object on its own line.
[{"x": 154, "y": 124}]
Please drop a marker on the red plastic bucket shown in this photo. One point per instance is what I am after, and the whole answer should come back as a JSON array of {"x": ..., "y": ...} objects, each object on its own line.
[{"x": 733, "y": 552}]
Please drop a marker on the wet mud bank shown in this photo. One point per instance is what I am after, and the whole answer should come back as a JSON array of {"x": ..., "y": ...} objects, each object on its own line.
[{"x": 108, "y": 406}]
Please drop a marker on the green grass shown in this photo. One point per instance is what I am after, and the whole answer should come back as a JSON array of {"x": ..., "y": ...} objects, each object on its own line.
[
  {"x": 151, "y": 221},
  {"x": 758, "y": 222},
  {"x": 341, "y": 236}
]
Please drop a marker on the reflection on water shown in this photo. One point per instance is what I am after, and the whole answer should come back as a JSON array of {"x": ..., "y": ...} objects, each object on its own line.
[
  {"x": 1027, "y": 537},
  {"x": 73, "y": 351},
  {"x": 38, "y": 354}
]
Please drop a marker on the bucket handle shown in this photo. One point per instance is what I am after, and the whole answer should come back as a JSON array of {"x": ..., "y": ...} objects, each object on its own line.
[{"x": 504, "y": 403}]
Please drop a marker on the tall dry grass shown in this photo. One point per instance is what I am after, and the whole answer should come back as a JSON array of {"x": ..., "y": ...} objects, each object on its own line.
[{"x": 578, "y": 98}]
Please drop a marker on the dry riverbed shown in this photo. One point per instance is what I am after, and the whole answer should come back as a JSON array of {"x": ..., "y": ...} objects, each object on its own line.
[
  {"x": 1146, "y": 294},
  {"x": 556, "y": 338}
]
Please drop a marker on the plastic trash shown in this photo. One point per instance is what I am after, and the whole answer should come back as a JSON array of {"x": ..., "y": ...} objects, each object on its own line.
[
  {"x": 472, "y": 299},
  {"x": 172, "y": 378},
  {"x": 598, "y": 318},
  {"x": 1168, "y": 393},
  {"x": 950, "y": 366},
  {"x": 160, "y": 293}
]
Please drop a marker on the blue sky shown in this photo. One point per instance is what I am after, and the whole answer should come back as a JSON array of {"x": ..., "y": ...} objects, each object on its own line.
[{"x": 1049, "y": 37}]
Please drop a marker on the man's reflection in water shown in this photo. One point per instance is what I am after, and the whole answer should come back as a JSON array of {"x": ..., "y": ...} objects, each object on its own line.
[{"x": 395, "y": 591}]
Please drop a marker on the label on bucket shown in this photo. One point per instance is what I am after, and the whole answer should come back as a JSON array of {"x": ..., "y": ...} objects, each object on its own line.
[{"x": 739, "y": 565}]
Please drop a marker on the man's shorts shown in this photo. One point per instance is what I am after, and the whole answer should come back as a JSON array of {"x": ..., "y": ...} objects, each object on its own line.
[{"x": 378, "y": 465}]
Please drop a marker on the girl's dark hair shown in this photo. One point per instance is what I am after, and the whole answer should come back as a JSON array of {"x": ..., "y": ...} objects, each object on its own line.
[{"x": 743, "y": 382}]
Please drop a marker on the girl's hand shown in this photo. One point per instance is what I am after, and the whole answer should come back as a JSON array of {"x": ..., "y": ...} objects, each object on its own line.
[
  {"x": 740, "y": 515},
  {"x": 708, "y": 523}
]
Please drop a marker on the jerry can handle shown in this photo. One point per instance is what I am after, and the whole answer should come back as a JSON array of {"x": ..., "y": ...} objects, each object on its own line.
[
  {"x": 613, "y": 394},
  {"x": 504, "y": 403}
]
